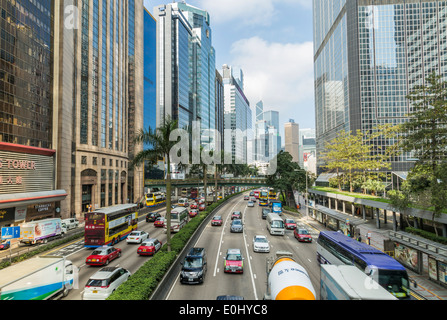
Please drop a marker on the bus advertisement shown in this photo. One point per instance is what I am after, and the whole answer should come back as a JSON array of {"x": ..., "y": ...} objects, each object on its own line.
[
  {"x": 276, "y": 206},
  {"x": 256, "y": 194},
  {"x": 338, "y": 249},
  {"x": 107, "y": 226}
]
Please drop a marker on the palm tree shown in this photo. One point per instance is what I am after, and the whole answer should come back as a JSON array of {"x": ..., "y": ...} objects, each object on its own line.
[{"x": 160, "y": 146}]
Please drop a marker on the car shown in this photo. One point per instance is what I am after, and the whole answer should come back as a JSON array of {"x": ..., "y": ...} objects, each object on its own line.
[
  {"x": 265, "y": 212},
  {"x": 233, "y": 261},
  {"x": 149, "y": 247},
  {"x": 194, "y": 266},
  {"x": 70, "y": 223},
  {"x": 101, "y": 285},
  {"x": 236, "y": 215},
  {"x": 236, "y": 226},
  {"x": 102, "y": 256},
  {"x": 250, "y": 204},
  {"x": 137, "y": 236},
  {"x": 290, "y": 224},
  {"x": 261, "y": 244},
  {"x": 302, "y": 235},
  {"x": 246, "y": 197},
  {"x": 5, "y": 244},
  {"x": 194, "y": 205},
  {"x": 193, "y": 213},
  {"x": 151, "y": 217},
  {"x": 202, "y": 206},
  {"x": 253, "y": 199},
  {"x": 159, "y": 222},
  {"x": 217, "y": 221}
]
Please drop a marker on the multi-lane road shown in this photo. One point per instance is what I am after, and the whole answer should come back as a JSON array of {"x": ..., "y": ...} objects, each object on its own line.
[{"x": 216, "y": 240}]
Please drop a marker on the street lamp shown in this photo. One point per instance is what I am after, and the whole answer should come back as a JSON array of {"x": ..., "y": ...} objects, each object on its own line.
[{"x": 307, "y": 199}]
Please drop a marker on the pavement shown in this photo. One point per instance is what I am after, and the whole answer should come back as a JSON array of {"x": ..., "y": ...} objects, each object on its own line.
[{"x": 426, "y": 288}]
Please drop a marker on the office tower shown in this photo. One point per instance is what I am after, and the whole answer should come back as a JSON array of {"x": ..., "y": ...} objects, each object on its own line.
[
  {"x": 307, "y": 148},
  {"x": 259, "y": 110},
  {"x": 150, "y": 74},
  {"x": 186, "y": 69},
  {"x": 99, "y": 64},
  {"x": 291, "y": 137},
  {"x": 237, "y": 117},
  {"x": 368, "y": 56},
  {"x": 267, "y": 142},
  {"x": 220, "y": 105}
]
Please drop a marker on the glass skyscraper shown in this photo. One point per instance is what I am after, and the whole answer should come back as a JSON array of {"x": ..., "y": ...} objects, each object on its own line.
[{"x": 368, "y": 55}]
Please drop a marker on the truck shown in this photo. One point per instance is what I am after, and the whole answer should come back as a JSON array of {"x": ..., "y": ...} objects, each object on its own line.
[
  {"x": 40, "y": 278},
  {"x": 347, "y": 282},
  {"x": 287, "y": 280},
  {"x": 41, "y": 231}
]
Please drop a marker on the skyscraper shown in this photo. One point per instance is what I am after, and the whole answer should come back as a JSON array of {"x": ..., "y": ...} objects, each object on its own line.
[
  {"x": 186, "y": 68},
  {"x": 99, "y": 67},
  {"x": 368, "y": 56},
  {"x": 291, "y": 137}
]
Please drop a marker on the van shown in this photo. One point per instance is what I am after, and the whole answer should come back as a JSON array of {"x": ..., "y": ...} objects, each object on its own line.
[
  {"x": 183, "y": 202},
  {"x": 70, "y": 223},
  {"x": 275, "y": 225},
  {"x": 194, "y": 266}
]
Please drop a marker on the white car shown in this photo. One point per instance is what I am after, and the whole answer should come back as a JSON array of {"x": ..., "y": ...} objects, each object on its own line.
[
  {"x": 261, "y": 244},
  {"x": 101, "y": 285},
  {"x": 70, "y": 223},
  {"x": 137, "y": 237},
  {"x": 250, "y": 204}
]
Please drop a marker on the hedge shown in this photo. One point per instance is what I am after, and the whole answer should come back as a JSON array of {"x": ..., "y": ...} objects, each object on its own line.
[
  {"x": 144, "y": 281},
  {"x": 426, "y": 234}
]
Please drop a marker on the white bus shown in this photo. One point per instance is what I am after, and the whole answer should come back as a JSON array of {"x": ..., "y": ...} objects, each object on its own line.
[
  {"x": 275, "y": 225},
  {"x": 179, "y": 218}
]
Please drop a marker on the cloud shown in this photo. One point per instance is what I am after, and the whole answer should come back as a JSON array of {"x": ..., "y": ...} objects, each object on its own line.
[{"x": 279, "y": 74}]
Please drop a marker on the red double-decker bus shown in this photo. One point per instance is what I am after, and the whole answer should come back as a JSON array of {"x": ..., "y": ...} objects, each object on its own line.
[
  {"x": 107, "y": 226},
  {"x": 256, "y": 192},
  {"x": 194, "y": 193}
]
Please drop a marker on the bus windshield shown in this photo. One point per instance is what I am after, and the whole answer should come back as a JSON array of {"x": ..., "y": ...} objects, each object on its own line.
[
  {"x": 277, "y": 224},
  {"x": 395, "y": 281}
]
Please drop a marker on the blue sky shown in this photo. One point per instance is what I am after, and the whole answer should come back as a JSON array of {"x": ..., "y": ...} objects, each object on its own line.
[{"x": 271, "y": 41}]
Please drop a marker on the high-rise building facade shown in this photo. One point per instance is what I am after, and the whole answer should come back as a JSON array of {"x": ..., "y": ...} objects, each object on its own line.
[
  {"x": 291, "y": 137},
  {"x": 186, "y": 68},
  {"x": 368, "y": 56},
  {"x": 237, "y": 118},
  {"x": 99, "y": 67}
]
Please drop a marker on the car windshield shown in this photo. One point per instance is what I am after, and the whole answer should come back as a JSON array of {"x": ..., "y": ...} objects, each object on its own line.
[
  {"x": 192, "y": 262},
  {"x": 97, "y": 283},
  {"x": 277, "y": 224},
  {"x": 289, "y": 221},
  {"x": 234, "y": 257},
  {"x": 99, "y": 252},
  {"x": 237, "y": 222},
  {"x": 134, "y": 234},
  {"x": 261, "y": 240},
  {"x": 303, "y": 231},
  {"x": 147, "y": 243},
  {"x": 217, "y": 218}
]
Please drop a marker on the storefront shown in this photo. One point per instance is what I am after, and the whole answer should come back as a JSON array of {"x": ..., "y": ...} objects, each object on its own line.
[{"x": 27, "y": 184}]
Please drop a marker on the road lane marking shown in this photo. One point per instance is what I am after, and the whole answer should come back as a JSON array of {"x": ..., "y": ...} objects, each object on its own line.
[{"x": 249, "y": 263}]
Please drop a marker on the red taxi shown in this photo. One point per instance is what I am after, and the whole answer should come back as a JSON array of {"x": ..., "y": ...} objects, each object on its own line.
[
  {"x": 290, "y": 224},
  {"x": 102, "y": 256},
  {"x": 302, "y": 235},
  {"x": 234, "y": 262},
  {"x": 202, "y": 207},
  {"x": 149, "y": 247},
  {"x": 160, "y": 222},
  {"x": 193, "y": 213},
  {"x": 193, "y": 205},
  {"x": 217, "y": 221}
]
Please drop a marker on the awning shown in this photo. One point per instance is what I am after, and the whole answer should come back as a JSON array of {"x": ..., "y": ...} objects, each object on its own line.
[
  {"x": 324, "y": 177},
  {"x": 28, "y": 198},
  {"x": 401, "y": 174}
]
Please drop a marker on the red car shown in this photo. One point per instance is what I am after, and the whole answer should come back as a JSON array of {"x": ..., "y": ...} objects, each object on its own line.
[
  {"x": 202, "y": 207},
  {"x": 193, "y": 213},
  {"x": 290, "y": 224},
  {"x": 302, "y": 235},
  {"x": 102, "y": 256},
  {"x": 149, "y": 247},
  {"x": 193, "y": 205},
  {"x": 217, "y": 221},
  {"x": 160, "y": 222}
]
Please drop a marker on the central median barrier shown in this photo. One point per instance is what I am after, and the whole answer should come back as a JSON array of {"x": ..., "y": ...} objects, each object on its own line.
[{"x": 149, "y": 281}]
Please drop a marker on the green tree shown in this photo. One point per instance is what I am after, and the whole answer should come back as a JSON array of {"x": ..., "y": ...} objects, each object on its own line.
[
  {"x": 160, "y": 147},
  {"x": 425, "y": 135}
]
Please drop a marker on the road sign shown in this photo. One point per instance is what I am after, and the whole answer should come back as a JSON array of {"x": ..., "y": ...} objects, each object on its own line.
[{"x": 10, "y": 233}]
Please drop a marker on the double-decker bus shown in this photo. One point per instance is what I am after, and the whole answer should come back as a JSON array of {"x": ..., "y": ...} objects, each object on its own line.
[
  {"x": 263, "y": 198},
  {"x": 179, "y": 218},
  {"x": 256, "y": 194},
  {"x": 338, "y": 249},
  {"x": 272, "y": 194},
  {"x": 194, "y": 193},
  {"x": 155, "y": 199},
  {"x": 107, "y": 226}
]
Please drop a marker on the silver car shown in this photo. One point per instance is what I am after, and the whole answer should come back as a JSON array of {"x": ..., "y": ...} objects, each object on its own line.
[
  {"x": 261, "y": 244},
  {"x": 236, "y": 226},
  {"x": 250, "y": 204}
]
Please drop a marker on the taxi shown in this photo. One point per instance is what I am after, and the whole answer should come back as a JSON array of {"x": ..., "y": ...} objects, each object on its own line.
[
  {"x": 160, "y": 222},
  {"x": 149, "y": 247},
  {"x": 290, "y": 224},
  {"x": 102, "y": 256},
  {"x": 217, "y": 221},
  {"x": 233, "y": 261},
  {"x": 193, "y": 213},
  {"x": 302, "y": 235}
]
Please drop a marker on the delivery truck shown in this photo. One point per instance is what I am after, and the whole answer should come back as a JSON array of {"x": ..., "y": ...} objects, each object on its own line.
[
  {"x": 287, "y": 280},
  {"x": 347, "y": 282},
  {"x": 41, "y": 231},
  {"x": 40, "y": 278}
]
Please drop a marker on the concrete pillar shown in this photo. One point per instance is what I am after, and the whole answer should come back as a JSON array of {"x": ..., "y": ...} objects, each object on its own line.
[
  {"x": 344, "y": 206},
  {"x": 364, "y": 212},
  {"x": 377, "y": 217},
  {"x": 394, "y": 221},
  {"x": 384, "y": 217}
]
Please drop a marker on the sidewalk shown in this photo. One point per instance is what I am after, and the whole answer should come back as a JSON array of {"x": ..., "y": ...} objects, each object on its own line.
[{"x": 425, "y": 287}]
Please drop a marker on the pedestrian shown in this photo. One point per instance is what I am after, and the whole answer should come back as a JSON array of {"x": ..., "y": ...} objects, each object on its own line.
[{"x": 359, "y": 238}]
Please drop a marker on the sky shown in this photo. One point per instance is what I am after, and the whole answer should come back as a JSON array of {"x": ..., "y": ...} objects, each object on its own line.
[{"x": 271, "y": 41}]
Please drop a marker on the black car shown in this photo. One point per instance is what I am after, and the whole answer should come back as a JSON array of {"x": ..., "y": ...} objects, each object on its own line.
[
  {"x": 265, "y": 212},
  {"x": 194, "y": 266},
  {"x": 151, "y": 217}
]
